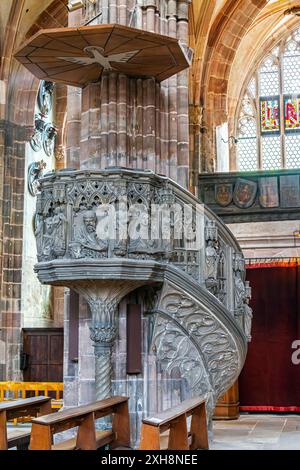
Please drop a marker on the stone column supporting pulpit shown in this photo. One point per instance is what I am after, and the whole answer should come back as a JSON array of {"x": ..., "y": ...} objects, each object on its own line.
[
  {"x": 103, "y": 298},
  {"x": 103, "y": 334}
]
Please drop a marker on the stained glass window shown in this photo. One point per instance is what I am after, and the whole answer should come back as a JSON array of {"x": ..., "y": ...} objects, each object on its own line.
[
  {"x": 247, "y": 144},
  {"x": 292, "y": 113},
  {"x": 269, "y": 115},
  {"x": 268, "y": 124},
  {"x": 271, "y": 153}
]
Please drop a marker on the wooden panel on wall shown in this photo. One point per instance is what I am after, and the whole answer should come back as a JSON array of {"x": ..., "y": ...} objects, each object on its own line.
[{"x": 134, "y": 339}]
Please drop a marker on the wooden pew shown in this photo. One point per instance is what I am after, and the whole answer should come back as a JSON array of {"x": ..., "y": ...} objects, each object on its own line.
[
  {"x": 15, "y": 409},
  {"x": 84, "y": 417},
  {"x": 16, "y": 390},
  {"x": 175, "y": 421}
]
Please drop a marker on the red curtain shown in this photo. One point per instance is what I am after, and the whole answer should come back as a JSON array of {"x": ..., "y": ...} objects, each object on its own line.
[{"x": 270, "y": 381}]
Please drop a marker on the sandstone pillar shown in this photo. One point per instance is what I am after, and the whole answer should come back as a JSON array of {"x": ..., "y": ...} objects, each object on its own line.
[
  {"x": 133, "y": 122},
  {"x": 103, "y": 335},
  {"x": 103, "y": 298}
]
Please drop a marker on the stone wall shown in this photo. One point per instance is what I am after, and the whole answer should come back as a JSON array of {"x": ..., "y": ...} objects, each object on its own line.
[
  {"x": 12, "y": 181},
  {"x": 268, "y": 239},
  {"x": 36, "y": 300}
]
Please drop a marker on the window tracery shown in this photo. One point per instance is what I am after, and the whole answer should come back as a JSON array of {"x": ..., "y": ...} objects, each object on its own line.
[{"x": 268, "y": 126}]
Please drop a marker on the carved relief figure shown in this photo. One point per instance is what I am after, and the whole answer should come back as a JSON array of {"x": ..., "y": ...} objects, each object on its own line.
[
  {"x": 35, "y": 171},
  {"x": 212, "y": 262},
  {"x": 50, "y": 134},
  {"x": 47, "y": 243},
  {"x": 239, "y": 292},
  {"x": 45, "y": 97},
  {"x": 38, "y": 232},
  {"x": 212, "y": 256},
  {"x": 248, "y": 315},
  {"x": 87, "y": 236},
  {"x": 36, "y": 140},
  {"x": 140, "y": 242},
  {"x": 59, "y": 232}
]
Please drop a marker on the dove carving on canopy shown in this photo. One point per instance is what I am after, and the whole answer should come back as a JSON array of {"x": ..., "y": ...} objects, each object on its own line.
[{"x": 99, "y": 57}]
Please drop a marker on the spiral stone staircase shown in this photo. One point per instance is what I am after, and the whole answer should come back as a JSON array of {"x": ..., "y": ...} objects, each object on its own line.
[{"x": 201, "y": 318}]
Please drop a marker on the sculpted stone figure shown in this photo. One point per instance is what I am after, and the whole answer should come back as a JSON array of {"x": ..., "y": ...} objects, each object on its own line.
[
  {"x": 248, "y": 315},
  {"x": 212, "y": 262},
  {"x": 39, "y": 225},
  {"x": 59, "y": 232},
  {"x": 87, "y": 235},
  {"x": 140, "y": 243},
  {"x": 47, "y": 243},
  {"x": 239, "y": 292}
]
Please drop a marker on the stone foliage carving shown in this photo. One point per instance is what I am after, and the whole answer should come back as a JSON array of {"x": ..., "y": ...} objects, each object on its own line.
[
  {"x": 214, "y": 340},
  {"x": 103, "y": 332},
  {"x": 175, "y": 350},
  {"x": 187, "y": 335}
]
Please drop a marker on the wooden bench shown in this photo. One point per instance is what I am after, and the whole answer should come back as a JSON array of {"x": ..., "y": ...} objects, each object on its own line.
[
  {"x": 175, "y": 421},
  {"x": 15, "y": 409},
  {"x": 84, "y": 417},
  {"x": 16, "y": 390}
]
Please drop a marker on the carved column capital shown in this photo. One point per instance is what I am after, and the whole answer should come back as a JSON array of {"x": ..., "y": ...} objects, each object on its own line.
[
  {"x": 103, "y": 330},
  {"x": 103, "y": 336}
]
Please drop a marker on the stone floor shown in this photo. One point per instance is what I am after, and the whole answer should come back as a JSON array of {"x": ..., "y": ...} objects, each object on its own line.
[
  {"x": 249, "y": 432},
  {"x": 258, "y": 432}
]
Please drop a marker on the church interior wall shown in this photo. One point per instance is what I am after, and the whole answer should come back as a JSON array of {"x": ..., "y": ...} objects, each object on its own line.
[
  {"x": 36, "y": 299},
  {"x": 221, "y": 55},
  {"x": 268, "y": 239}
]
